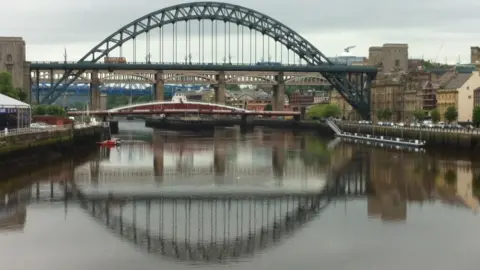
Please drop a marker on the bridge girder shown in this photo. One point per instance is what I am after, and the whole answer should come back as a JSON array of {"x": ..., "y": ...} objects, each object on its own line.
[
  {"x": 356, "y": 91},
  {"x": 186, "y": 77}
]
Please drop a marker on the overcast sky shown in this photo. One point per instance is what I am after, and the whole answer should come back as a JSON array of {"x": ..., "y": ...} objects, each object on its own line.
[{"x": 443, "y": 27}]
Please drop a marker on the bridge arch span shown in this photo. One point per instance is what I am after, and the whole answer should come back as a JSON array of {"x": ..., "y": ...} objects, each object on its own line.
[
  {"x": 214, "y": 11},
  {"x": 174, "y": 78},
  {"x": 305, "y": 77},
  {"x": 233, "y": 243},
  {"x": 238, "y": 79},
  {"x": 176, "y": 105},
  {"x": 139, "y": 78}
]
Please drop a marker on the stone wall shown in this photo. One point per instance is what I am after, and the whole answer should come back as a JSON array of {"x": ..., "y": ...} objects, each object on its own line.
[
  {"x": 28, "y": 150},
  {"x": 12, "y": 59}
]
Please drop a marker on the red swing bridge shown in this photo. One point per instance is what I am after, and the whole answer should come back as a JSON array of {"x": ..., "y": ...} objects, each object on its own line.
[{"x": 180, "y": 105}]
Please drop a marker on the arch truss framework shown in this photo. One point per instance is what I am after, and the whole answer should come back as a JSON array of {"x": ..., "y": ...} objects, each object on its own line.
[
  {"x": 354, "y": 87},
  {"x": 184, "y": 77}
]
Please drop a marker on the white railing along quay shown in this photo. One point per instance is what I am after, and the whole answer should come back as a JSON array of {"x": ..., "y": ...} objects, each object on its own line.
[
  {"x": 333, "y": 126},
  {"x": 33, "y": 130},
  {"x": 29, "y": 130}
]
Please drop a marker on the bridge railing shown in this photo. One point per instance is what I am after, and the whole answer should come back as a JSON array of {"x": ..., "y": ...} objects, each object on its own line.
[{"x": 177, "y": 63}]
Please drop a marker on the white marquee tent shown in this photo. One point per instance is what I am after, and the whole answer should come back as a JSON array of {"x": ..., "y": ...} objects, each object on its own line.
[{"x": 14, "y": 113}]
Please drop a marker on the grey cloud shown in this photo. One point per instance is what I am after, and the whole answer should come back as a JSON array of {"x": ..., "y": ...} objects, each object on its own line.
[{"x": 92, "y": 20}]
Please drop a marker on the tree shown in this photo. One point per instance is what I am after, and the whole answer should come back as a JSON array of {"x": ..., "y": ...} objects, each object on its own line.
[
  {"x": 55, "y": 110},
  {"x": 323, "y": 111},
  {"x": 476, "y": 116},
  {"x": 268, "y": 107},
  {"x": 380, "y": 114},
  {"x": 48, "y": 110},
  {"x": 450, "y": 177},
  {"x": 387, "y": 114},
  {"x": 39, "y": 110},
  {"x": 233, "y": 87},
  {"x": 451, "y": 114},
  {"x": 419, "y": 115},
  {"x": 435, "y": 114},
  {"x": 6, "y": 87},
  {"x": 22, "y": 96}
]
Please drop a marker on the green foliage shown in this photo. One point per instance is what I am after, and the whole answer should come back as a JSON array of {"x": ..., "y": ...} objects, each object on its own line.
[
  {"x": 476, "y": 185},
  {"x": 268, "y": 107},
  {"x": 419, "y": 115},
  {"x": 384, "y": 114},
  {"x": 435, "y": 114},
  {"x": 233, "y": 87},
  {"x": 6, "y": 87},
  {"x": 476, "y": 116},
  {"x": 48, "y": 110},
  {"x": 451, "y": 177},
  {"x": 323, "y": 111},
  {"x": 39, "y": 110},
  {"x": 451, "y": 114}
]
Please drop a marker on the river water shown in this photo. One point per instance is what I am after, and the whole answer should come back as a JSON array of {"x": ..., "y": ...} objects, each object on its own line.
[{"x": 384, "y": 209}]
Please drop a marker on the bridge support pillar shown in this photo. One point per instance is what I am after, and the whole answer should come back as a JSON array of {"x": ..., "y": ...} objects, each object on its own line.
[
  {"x": 219, "y": 89},
  {"x": 103, "y": 102},
  {"x": 94, "y": 171},
  {"x": 37, "y": 85},
  {"x": 219, "y": 154},
  {"x": 158, "y": 148},
  {"x": 247, "y": 120},
  {"x": 159, "y": 86},
  {"x": 278, "y": 97},
  {"x": 278, "y": 157},
  {"x": 95, "y": 91}
]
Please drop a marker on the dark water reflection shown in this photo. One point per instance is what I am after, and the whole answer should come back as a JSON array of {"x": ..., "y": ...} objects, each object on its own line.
[{"x": 385, "y": 209}]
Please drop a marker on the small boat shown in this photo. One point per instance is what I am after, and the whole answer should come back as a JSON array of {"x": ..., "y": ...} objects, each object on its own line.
[{"x": 111, "y": 142}]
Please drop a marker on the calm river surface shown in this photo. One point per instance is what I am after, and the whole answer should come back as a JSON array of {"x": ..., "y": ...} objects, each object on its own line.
[{"x": 349, "y": 206}]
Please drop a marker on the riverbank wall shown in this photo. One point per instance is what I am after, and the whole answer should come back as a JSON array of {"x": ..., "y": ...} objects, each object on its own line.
[
  {"x": 29, "y": 150},
  {"x": 435, "y": 138}
]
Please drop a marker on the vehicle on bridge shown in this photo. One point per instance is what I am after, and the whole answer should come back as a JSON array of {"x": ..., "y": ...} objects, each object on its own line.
[
  {"x": 269, "y": 64},
  {"x": 115, "y": 60}
]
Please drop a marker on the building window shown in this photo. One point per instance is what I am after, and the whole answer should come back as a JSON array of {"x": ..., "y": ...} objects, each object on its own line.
[
  {"x": 476, "y": 97},
  {"x": 9, "y": 58},
  {"x": 397, "y": 63}
]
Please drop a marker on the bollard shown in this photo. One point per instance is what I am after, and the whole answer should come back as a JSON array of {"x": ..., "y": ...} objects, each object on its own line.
[{"x": 6, "y": 131}]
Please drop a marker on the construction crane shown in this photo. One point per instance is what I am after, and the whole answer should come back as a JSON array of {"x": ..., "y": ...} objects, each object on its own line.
[{"x": 347, "y": 49}]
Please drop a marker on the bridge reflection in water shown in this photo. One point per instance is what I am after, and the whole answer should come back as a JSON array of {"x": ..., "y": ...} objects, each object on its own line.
[{"x": 214, "y": 228}]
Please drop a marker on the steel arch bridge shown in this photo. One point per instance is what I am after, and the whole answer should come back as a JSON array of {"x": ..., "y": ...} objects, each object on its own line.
[
  {"x": 142, "y": 80},
  {"x": 288, "y": 47},
  {"x": 137, "y": 89}
]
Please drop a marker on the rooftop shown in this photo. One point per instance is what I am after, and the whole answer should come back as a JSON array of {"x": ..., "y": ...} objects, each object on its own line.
[
  {"x": 457, "y": 81},
  {"x": 8, "y": 102}
]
